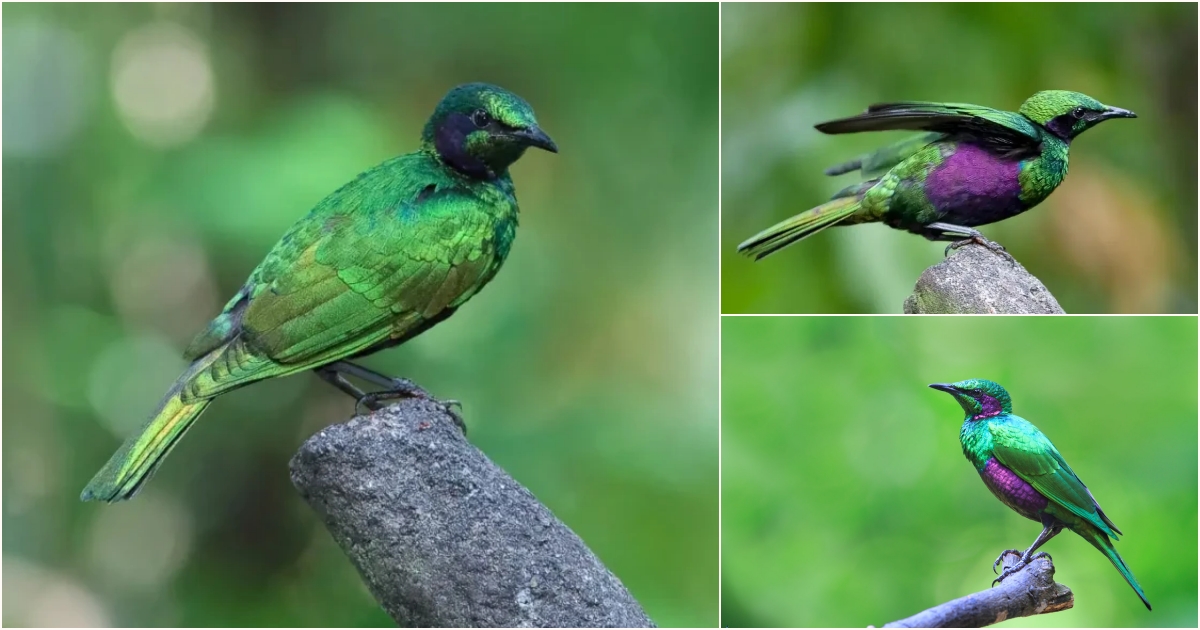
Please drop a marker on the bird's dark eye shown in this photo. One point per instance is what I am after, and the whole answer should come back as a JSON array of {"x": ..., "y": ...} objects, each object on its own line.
[
  {"x": 1078, "y": 112},
  {"x": 480, "y": 118}
]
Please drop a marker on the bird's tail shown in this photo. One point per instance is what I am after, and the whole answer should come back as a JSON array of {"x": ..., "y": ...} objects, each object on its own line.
[
  {"x": 1100, "y": 541},
  {"x": 137, "y": 459},
  {"x": 800, "y": 226}
]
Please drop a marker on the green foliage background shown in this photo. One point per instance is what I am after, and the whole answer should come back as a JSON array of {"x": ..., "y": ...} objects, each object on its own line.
[
  {"x": 587, "y": 369},
  {"x": 1118, "y": 236},
  {"x": 846, "y": 499}
]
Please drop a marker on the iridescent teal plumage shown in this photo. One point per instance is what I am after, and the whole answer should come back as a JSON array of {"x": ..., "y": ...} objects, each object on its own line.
[
  {"x": 976, "y": 166},
  {"x": 380, "y": 260},
  {"x": 1020, "y": 465}
]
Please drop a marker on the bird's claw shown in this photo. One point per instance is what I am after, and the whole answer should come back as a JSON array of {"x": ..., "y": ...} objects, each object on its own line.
[
  {"x": 1021, "y": 563},
  {"x": 405, "y": 388},
  {"x": 1009, "y": 571},
  {"x": 980, "y": 240},
  {"x": 1001, "y": 558},
  {"x": 449, "y": 407}
]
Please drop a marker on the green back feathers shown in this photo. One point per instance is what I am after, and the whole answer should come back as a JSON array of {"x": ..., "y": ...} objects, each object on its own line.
[{"x": 1025, "y": 450}]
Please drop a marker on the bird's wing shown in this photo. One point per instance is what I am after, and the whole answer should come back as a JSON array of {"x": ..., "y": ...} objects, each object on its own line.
[
  {"x": 343, "y": 281},
  {"x": 1004, "y": 132},
  {"x": 880, "y": 161},
  {"x": 1031, "y": 455}
]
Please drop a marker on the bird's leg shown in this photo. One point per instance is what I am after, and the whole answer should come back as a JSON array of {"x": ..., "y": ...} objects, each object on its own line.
[
  {"x": 337, "y": 380},
  {"x": 394, "y": 388},
  {"x": 340, "y": 382},
  {"x": 972, "y": 236},
  {"x": 1049, "y": 530}
]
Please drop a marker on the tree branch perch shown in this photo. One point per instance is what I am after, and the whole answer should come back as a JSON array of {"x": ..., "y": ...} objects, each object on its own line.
[
  {"x": 975, "y": 279},
  {"x": 443, "y": 537},
  {"x": 1030, "y": 591}
]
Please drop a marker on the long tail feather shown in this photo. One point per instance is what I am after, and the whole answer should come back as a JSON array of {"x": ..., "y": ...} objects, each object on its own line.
[
  {"x": 139, "y": 457},
  {"x": 798, "y": 227},
  {"x": 1100, "y": 541}
]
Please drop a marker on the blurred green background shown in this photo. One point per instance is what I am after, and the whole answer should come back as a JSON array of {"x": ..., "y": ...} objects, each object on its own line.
[
  {"x": 153, "y": 154},
  {"x": 1118, "y": 236},
  {"x": 847, "y": 501}
]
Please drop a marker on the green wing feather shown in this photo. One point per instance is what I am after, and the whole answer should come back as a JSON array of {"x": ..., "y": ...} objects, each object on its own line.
[
  {"x": 1031, "y": 455},
  {"x": 337, "y": 292},
  {"x": 1006, "y": 132},
  {"x": 1022, "y": 448},
  {"x": 880, "y": 161}
]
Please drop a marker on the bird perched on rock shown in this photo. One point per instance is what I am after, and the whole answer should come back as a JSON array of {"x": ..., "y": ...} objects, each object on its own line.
[
  {"x": 977, "y": 166},
  {"x": 1024, "y": 470},
  {"x": 381, "y": 260}
]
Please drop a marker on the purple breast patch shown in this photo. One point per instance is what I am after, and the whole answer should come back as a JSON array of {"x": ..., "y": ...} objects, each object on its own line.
[
  {"x": 1012, "y": 490},
  {"x": 974, "y": 184}
]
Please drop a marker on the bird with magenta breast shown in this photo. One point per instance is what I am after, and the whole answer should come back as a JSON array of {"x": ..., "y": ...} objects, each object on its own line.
[
  {"x": 1021, "y": 467},
  {"x": 975, "y": 166}
]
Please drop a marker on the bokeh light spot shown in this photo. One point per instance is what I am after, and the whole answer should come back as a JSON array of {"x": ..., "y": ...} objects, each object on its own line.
[
  {"x": 46, "y": 93},
  {"x": 162, "y": 82},
  {"x": 162, "y": 279},
  {"x": 38, "y": 597},
  {"x": 141, "y": 546}
]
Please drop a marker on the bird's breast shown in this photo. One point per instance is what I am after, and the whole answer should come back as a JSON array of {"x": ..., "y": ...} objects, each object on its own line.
[
  {"x": 973, "y": 186},
  {"x": 1013, "y": 491}
]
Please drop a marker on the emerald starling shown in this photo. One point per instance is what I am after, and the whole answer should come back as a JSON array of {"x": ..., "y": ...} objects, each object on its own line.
[
  {"x": 381, "y": 260},
  {"x": 1024, "y": 470},
  {"x": 976, "y": 166}
]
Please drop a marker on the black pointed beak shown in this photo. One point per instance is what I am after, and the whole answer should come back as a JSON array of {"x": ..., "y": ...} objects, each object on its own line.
[
  {"x": 945, "y": 387},
  {"x": 1116, "y": 112},
  {"x": 535, "y": 137}
]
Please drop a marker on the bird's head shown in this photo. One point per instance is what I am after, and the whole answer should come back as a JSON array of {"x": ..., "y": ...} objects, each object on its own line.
[
  {"x": 1068, "y": 114},
  {"x": 480, "y": 129},
  {"x": 978, "y": 397}
]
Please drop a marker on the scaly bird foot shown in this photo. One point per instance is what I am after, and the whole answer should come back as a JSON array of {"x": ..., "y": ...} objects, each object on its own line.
[
  {"x": 980, "y": 240},
  {"x": 1021, "y": 563},
  {"x": 404, "y": 388},
  {"x": 1000, "y": 559},
  {"x": 1009, "y": 571}
]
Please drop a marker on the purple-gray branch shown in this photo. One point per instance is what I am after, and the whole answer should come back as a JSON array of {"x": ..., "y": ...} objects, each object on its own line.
[{"x": 1030, "y": 591}]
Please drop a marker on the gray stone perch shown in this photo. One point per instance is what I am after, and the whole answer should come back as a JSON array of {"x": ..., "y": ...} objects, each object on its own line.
[
  {"x": 975, "y": 279},
  {"x": 1030, "y": 591},
  {"x": 445, "y": 538}
]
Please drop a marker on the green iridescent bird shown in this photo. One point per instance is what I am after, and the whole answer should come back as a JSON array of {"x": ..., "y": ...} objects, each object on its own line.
[
  {"x": 379, "y": 261},
  {"x": 977, "y": 166},
  {"x": 1024, "y": 470}
]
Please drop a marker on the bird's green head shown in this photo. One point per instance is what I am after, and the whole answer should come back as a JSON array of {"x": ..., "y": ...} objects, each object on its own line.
[
  {"x": 980, "y": 398},
  {"x": 1068, "y": 114},
  {"x": 480, "y": 129}
]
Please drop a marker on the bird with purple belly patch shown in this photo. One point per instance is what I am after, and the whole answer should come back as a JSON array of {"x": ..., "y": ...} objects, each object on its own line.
[
  {"x": 976, "y": 166},
  {"x": 1024, "y": 470}
]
